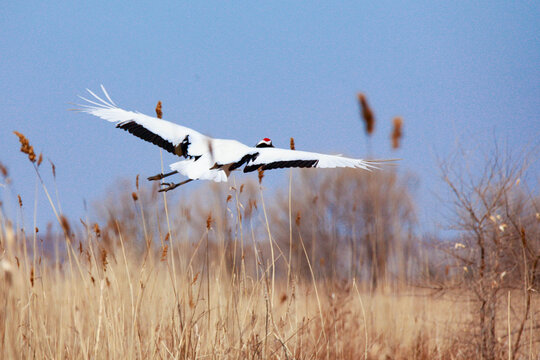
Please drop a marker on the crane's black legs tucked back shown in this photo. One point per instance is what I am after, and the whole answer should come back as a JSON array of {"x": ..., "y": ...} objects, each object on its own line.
[
  {"x": 171, "y": 186},
  {"x": 161, "y": 175}
]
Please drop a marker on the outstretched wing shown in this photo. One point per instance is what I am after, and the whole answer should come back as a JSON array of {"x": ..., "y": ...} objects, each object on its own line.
[
  {"x": 275, "y": 158},
  {"x": 174, "y": 138}
]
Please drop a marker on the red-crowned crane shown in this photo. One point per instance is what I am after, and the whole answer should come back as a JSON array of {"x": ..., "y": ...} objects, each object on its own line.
[{"x": 207, "y": 158}]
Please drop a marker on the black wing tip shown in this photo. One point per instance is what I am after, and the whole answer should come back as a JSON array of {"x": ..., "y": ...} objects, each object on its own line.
[
  {"x": 141, "y": 132},
  {"x": 282, "y": 164}
]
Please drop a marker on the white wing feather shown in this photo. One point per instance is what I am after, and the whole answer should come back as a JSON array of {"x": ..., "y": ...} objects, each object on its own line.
[
  {"x": 275, "y": 155},
  {"x": 174, "y": 133}
]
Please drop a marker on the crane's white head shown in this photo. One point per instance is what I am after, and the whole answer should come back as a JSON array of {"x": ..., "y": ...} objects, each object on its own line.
[{"x": 266, "y": 142}]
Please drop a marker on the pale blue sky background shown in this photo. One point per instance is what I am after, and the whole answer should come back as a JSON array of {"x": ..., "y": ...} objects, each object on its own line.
[{"x": 467, "y": 72}]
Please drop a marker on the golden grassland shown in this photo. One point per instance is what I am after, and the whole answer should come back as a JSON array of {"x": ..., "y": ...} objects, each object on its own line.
[
  {"x": 331, "y": 270},
  {"x": 126, "y": 303}
]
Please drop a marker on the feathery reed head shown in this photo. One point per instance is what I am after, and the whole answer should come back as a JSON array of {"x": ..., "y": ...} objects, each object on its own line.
[
  {"x": 209, "y": 221},
  {"x": 261, "y": 174},
  {"x": 159, "y": 113},
  {"x": 367, "y": 114},
  {"x": 65, "y": 225},
  {"x": 164, "y": 252},
  {"x": 97, "y": 230},
  {"x": 397, "y": 132},
  {"x": 26, "y": 147},
  {"x": 3, "y": 170},
  {"x": 32, "y": 276},
  {"x": 53, "y": 168},
  {"x": 103, "y": 258}
]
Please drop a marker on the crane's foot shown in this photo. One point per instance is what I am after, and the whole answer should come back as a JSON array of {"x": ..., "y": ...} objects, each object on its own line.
[
  {"x": 161, "y": 175},
  {"x": 171, "y": 186}
]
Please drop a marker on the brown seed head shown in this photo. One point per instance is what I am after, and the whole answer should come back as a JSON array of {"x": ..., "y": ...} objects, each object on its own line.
[
  {"x": 97, "y": 230},
  {"x": 209, "y": 221},
  {"x": 26, "y": 148},
  {"x": 40, "y": 159},
  {"x": 134, "y": 196},
  {"x": 32, "y": 276},
  {"x": 397, "y": 132},
  {"x": 137, "y": 182},
  {"x": 103, "y": 257},
  {"x": 159, "y": 113},
  {"x": 229, "y": 197},
  {"x": 292, "y": 144},
  {"x": 20, "y": 200},
  {"x": 53, "y": 168},
  {"x": 283, "y": 297},
  {"x": 3, "y": 170},
  {"x": 367, "y": 114},
  {"x": 261, "y": 174},
  {"x": 65, "y": 225},
  {"x": 298, "y": 218},
  {"x": 164, "y": 252},
  {"x": 241, "y": 188}
]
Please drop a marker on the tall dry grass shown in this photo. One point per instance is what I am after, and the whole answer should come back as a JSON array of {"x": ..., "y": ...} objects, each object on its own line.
[
  {"x": 120, "y": 303},
  {"x": 243, "y": 273}
]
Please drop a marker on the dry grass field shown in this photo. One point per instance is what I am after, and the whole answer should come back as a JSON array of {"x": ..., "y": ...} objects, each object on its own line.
[
  {"x": 120, "y": 304},
  {"x": 245, "y": 273}
]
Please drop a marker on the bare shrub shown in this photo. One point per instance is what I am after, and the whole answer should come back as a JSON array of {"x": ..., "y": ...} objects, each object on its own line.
[{"x": 497, "y": 251}]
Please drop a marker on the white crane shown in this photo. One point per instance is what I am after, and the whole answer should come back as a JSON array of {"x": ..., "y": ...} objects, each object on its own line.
[{"x": 207, "y": 158}]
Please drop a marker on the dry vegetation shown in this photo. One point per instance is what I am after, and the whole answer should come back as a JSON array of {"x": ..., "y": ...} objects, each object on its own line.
[{"x": 330, "y": 268}]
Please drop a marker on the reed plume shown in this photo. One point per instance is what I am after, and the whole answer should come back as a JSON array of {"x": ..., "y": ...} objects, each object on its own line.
[
  {"x": 3, "y": 170},
  {"x": 261, "y": 174},
  {"x": 367, "y": 114},
  {"x": 26, "y": 148},
  {"x": 159, "y": 113},
  {"x": 397, "y": 132}
]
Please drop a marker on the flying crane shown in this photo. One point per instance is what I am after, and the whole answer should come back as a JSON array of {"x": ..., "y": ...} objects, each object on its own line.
[{"x": 207, "y": 158}]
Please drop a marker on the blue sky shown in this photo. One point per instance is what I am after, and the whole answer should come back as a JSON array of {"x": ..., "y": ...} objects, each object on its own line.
[{"x": 464, "y": 73}]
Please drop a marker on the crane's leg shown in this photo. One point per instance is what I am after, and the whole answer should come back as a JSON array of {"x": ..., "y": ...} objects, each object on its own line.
[
  {"x": 171, "y": 186},
  {"x": 161, "y": 175}
]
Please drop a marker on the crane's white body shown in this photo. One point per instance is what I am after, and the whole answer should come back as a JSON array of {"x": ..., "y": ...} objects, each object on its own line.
[{"x": 208, "y": 158}]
